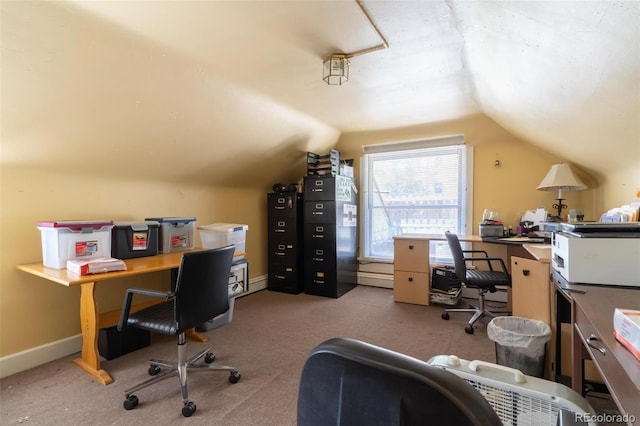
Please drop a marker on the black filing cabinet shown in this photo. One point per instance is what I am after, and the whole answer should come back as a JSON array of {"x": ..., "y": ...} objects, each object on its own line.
[
  {"x": 285, "y": 242},
  {"x": 330, "y": 223}
]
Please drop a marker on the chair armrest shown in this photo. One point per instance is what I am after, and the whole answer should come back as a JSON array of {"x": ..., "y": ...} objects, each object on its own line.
[
  {"x": 476, "y": 251},
  {"x": 128, "y": 298},
  {"x": 488, "y": 260}
]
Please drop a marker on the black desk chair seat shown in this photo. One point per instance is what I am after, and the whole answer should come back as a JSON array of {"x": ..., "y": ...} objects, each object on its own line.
[
  {"x": 201, "y": 293},
  {"x": 483, "y": 280},
  {"x": 346, "y": 382}
]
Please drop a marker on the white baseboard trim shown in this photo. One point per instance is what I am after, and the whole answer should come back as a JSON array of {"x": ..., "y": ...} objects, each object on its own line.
[
  {"x": 33, "y": 357},
  {"x": 375, "y": 280},
  {"x": 257, "y": 284}
]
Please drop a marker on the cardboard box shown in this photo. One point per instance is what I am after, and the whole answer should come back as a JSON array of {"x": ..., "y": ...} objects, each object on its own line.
[
  {"x": 63, "y": 240},
  {"x": 626, "y": 329}
]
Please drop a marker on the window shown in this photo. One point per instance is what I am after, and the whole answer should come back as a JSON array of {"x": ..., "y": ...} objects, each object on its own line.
[{"x": 421, "y": 187}]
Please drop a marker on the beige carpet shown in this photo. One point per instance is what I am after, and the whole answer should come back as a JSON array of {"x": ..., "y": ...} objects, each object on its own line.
[{"x": 267, "y": 341}]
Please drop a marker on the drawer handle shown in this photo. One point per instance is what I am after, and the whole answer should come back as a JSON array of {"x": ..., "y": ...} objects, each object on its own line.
[
  {"x": 525, "y": 272},
  {"x": 594, "y": 338},
  {"x": 410, "y": 247},
  {"x": 410, "y": 279}
]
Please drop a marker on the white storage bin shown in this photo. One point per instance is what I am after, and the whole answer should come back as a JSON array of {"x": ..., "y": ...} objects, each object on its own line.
[
  {"x": 224, "y": 234},
  {"x": 68, "y": 239},
  {"x": 176, "y": 233}
]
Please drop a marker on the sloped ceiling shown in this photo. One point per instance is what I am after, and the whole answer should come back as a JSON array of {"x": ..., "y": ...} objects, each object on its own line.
[{"x": 211, "y": 91}]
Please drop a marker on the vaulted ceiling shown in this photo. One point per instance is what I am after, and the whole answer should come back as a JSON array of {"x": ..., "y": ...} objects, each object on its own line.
[{"x": 208, "y": 82}]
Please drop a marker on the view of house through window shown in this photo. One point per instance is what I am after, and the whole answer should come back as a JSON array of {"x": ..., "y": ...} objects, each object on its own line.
[{"x": 419, "y": 191}]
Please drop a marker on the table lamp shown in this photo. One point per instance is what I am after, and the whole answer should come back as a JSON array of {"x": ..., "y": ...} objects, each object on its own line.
[{"x": 561, "y": 177}]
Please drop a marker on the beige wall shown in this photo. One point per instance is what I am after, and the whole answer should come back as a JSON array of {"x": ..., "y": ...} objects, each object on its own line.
[
  {"x": 510, "y": 189},
  {"x": 47, "y": 312},
  {"x": 34, "y": 311}
]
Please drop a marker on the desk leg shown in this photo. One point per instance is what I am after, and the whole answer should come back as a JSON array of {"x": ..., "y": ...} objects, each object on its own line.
[
  {"x": 194, "y": 335},
  {"x": 90, "y": 360},
  {"x": 578, "y": 355}
]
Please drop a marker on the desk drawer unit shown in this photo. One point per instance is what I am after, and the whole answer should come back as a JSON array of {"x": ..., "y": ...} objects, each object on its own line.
[
  {"x": 610, "y": 358},
  {"x": 411, "y": 272},
  {"x": 531, "y": 294}
]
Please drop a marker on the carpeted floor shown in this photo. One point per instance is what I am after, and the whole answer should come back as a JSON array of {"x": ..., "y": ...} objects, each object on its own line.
[{"x": 267, "y": 341}]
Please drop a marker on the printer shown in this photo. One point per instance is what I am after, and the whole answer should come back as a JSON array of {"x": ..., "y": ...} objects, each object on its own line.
[{"x": 604, "y": 253}]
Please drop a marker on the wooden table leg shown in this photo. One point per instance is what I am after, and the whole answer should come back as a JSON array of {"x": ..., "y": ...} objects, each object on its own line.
[
  {"x": 194, "y": 335},
  {"x": 90, "y": 360}
]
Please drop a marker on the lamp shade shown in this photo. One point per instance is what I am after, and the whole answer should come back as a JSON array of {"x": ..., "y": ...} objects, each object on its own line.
[
  {"x": 336, "y": 69},
  {"x": 561, "y": 177}
]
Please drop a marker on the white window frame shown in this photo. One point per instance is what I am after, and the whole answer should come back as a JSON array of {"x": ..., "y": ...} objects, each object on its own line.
[{"x": 465, "y": 189}]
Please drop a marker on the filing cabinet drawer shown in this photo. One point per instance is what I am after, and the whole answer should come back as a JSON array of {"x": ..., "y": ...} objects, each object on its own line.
[
  {"x": 317, "y": 233},
  {"x": 284, "y": 204},
  {"x": 283, "y": 252},
  {"x": 319, "y": 188},
  {"x": 320, "y": 211},
  {"x": 285, "y": 278},
  {"x": 283, "y": 227}
]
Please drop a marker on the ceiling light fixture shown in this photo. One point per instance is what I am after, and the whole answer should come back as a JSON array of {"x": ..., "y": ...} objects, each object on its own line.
[
  {"x": 336, "y": 65},
  {"x": 561, "y": 177}
]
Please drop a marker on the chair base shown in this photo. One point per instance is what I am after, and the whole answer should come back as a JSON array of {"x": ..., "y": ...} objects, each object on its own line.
[
  {"x": 181, "y": 369},
  {"x": 478, "y": 312}
]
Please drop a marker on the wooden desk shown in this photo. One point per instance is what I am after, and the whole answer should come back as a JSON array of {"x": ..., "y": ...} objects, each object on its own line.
[
  {"x": 412, "y": 270},
  {"x": 90, "y": 319},
  {"x": 592, "y": 338}
]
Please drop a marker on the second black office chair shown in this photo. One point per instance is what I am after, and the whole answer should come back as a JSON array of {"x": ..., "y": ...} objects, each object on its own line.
[
  {"x": 483, "y": 280},
  {"x": 201, "y": 293},
  {"x": 348, "y": 382}
]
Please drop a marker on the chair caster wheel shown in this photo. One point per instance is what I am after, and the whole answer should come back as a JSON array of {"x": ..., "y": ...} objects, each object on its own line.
[
  {"x": 234, "y": 377},
  {"x": 445, "y": 316},
  {"x": 188, "y": 409},
  {"x": 130, "y": 402},
  {"x": 153, "y": 370},
  {"x": 209, "y": 357},
  {"x": 469, "y": 329}
]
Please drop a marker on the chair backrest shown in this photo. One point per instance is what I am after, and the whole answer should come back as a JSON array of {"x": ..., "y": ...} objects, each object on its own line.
[
  {"x": 458, "y": 256},
  {"x": 350, "y": 382},
  {"x": 202, "y": 286}
]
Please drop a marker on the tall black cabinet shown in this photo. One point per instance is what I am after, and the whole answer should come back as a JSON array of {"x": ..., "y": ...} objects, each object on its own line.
[
  {"x": 330, "y": 223},
  {"x": 285, "y": 242}
]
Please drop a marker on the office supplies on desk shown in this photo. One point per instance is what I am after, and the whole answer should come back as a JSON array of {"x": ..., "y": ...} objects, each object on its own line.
[
  {"x": 626, "y": 328},
  {"x": 97, "y": 265}
]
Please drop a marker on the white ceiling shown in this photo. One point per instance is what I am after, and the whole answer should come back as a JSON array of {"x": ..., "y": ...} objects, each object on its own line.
[{"x": 549, "y": 72}]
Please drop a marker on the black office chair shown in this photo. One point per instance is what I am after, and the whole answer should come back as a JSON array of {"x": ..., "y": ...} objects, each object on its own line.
[
  {"x": 201, "y": 293},
  {"x": 347, "y": 382},
  {"x": 485, "y": 281}
]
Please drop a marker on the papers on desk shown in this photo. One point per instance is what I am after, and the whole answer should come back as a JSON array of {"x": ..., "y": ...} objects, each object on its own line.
[
  {"x": 97, "y": 265},
  {"x": 626, "y": 329},
  {"x": 523, "y": 239}
]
